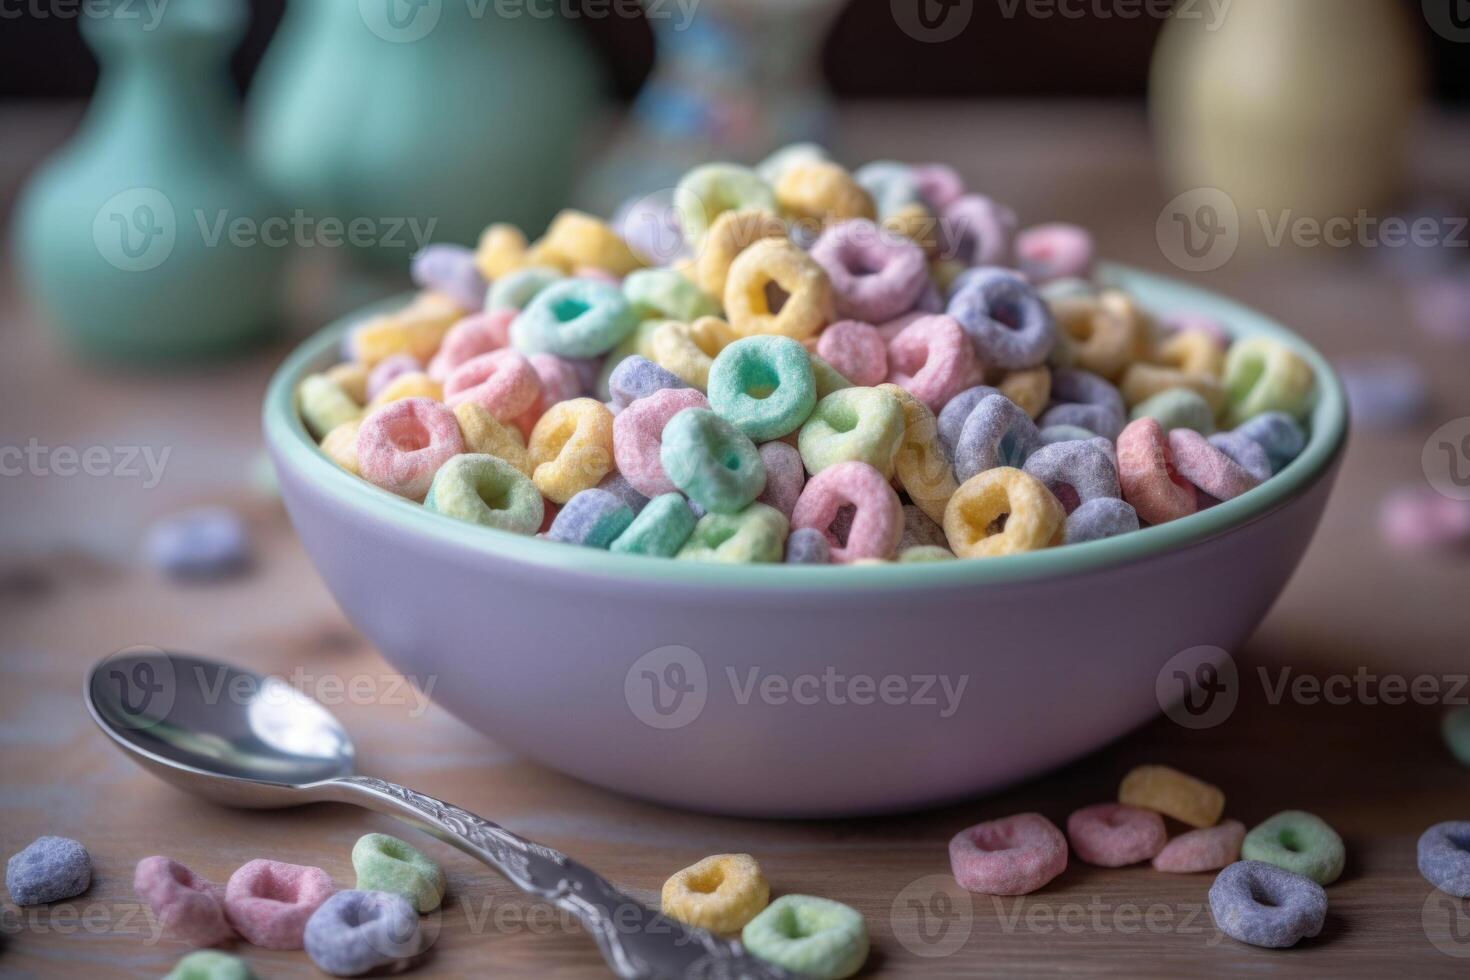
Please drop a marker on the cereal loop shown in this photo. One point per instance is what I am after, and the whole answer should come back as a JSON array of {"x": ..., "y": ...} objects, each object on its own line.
[
  {"x": 853, "y": 424},
  {"x": 875, "y": 524},
  {"x": 402, "y": 445},
  {"x": 763, "y": 385},
  {"x": 638, "y": 437},
  {"x": 720, "y": 893},
  {"x": 922, "y": 468},
  {"x": 1001, "y": 511},
  {"x": 1148, "y": 476},
  {"x": 821, "y": 192},
  {"x": 502, "y": 382},
  {"x": 932, "y": 359},
  {"x": 776, "y": 288},
  {"x": 571, "y": 448}
]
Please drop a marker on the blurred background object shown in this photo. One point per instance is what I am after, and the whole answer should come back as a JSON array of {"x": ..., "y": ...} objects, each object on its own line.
[
  {"x": 1290, "y": 108},
  {"x": 443, "y": 115},
  {"x": 117, "y": 232}
]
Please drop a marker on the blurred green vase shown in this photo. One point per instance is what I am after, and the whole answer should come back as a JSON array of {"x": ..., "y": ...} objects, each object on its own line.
[
  {"x": 423, "y": 118},
  {"x": 144, "y": 239}
]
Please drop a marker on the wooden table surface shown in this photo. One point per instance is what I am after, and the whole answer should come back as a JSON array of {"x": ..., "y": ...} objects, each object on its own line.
[{"x": 71, "y": 591}]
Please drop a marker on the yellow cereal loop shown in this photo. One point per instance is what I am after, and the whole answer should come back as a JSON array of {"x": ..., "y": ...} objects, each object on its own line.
[
  {"x": 484, "y": 433},
  {"x": 412, "y": 384},
  {"x": 689, "y": 349},
  {"x": 776, "y": 288},
  {"x": 542, "y": 256},
  {"x": 1174, "y": 794},
  {"x": 1107, "y": 332},
  {"x": 571, "y": 448},
  {"x": 502, "y": 250},
  {"x": 324, "y": 405},
  {"x": 1029, "y": 389},
  {"x": 583, "y": 240},
  {"x": 822, "y": 193},
  {"x": 352, "y": 378},
  {"x": 916, "y": 223},
  {"x": 417, "y": 329},
  {"x": 1002, "y": 511},
  {"x": 923, "y": 470},
  {"x": 1190, "y": 359},
  {"x": 720, "y": 893},
  {"x": 732, "y": 233},
  {"x": 340, "y": 445}
]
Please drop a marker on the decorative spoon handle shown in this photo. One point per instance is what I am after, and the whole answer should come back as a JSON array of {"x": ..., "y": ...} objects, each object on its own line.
[{"x": 637, "y": 942}]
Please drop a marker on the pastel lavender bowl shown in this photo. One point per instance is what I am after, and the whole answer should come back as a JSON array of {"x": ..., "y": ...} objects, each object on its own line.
[{"x": 789, "y": 691}]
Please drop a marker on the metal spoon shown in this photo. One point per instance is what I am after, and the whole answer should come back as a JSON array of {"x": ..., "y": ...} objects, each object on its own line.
[{"x": 244, "y": 740}]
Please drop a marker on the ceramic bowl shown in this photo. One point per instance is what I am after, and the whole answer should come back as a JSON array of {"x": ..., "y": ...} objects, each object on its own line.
[{"x": 780, "y": 691}]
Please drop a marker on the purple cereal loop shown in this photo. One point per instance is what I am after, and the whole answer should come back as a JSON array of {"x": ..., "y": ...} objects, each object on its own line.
[
  {"x": 875, "y": 275},
  {"x": 807, "y": 546},
  {"x": 451, "y": 271},
  {"x": 1209, "y": 469},
  {"x": 1263, "y": 905},
  {"x": 637, "y": 377},
  {"x": 1103, "y": 517},
  {"x": 1086, "y": 400},
  {"x": 1444, "y": 857},
  {"x": 785, "y": 476},
  {"x": 939, "y": 184},
  {"x": 951, "y": 418},
  {"x": 997, "y": 433},
  {"x": 1010, "y": 325},
  {"x": 1075, "y": 472},
  {"x": 1248, "y": 453},
  {"x": 978, "y": 230}
]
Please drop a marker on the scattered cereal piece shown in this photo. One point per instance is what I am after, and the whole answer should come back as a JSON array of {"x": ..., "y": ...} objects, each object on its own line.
[
  {"x": 356, "y": 931},
  {"x": 1205, "y": 849},
  {"x": 1174, "y": 794},
  {"x": 188, "y": 907},
  {"x": 209, "y": 964},
  {"x": 268, "y": 902},
  {"x": 1299, "y": 842},
  {"x": 1385, "y": 392},
  {"x": 815, "y": 937},
  {"x": 1262, "y": 905},
  {"x": 205, "y": 543},
  {"x": 1011, "y": 856},
  {"x": 49, "y": 869},
  {"x": 387, "y": 864},
  {"x": 720, "y": 893},
  {"x": 1111, "y": 835},
  {"x": 1420, "y": 518},
  {"x": 1444, "y": 857}
]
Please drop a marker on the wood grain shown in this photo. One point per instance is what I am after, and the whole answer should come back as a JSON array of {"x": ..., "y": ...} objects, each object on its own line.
[{"x": 70, "y": 593}]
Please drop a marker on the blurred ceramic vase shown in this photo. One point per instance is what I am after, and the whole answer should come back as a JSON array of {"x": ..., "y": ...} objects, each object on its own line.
[
  {"x": 423, "y": 119},
  {"x": 1294, "y": 108},
  {"x": 147, "y": 239}
]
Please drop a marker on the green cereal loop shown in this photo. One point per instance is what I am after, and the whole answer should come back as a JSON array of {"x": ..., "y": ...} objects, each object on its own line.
[
  {"x": 639, "y": 342},
  {"x": 210, "y": 964},
  {"x": 1264, "y": 375},
  {"x": 706, "y": 192},
  {"x": 862, "y": 424},
  {"x": 756, "y": 534},
  {"x": 925, "y": 553},
  {"x": 515, "y": 290},
  {"x": 828, "y": 380},
  {"x": 1177, "y": 408},
  {"x": 663, "y": 294},
  {"x": 485, "y": 489},
  {"x": 763, "y": 385},
  {"x": 660, "y": 529},
  {"x": 1456, "y": 729},
  {"x": 1298, "y": 842},
  {"x": 324, "y": 405},
  {"x": 573, "y": 318},
  {"x": 815, "y": 937},
  {"x": 387, "y": 864},
  {"x": 713, "y": 462}
]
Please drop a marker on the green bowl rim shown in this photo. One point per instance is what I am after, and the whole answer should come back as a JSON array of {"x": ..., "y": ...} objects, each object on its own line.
[{"x": 288, "y": 438}]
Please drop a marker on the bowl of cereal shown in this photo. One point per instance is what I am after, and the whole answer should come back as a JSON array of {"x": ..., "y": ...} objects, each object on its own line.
[{"x": 854, "y": 669}]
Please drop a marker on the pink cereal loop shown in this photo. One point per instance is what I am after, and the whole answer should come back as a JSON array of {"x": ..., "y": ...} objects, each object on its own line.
[
  {"x": 892, "y": 328},
  {"x": 561, "y": 380},
  {"x": 188, "y": 907},
  {"x": 877, "y": 514},
  {"x": 402, "y": 445},
  {"x": 785, "y": 476},
  {"x": 638, "y": 437},
  {"x": 502, "y": 382},
  {"x": 1207, "y": 467},
  {"x": 469, "y": 338},
  {"x": 932, "y": 360},
  {"x": 856, "y": 350},
  {"x": 978, "y": 230},
  {"x": 1146, "y": 471},
  {"x": 1056, "y": 251},
  {"x": 268, "y": 902},
  {"x": 1112, "y": 835},
  {"x": 1011, "y": 856},
  {"x": 939, "y": 183}
]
